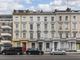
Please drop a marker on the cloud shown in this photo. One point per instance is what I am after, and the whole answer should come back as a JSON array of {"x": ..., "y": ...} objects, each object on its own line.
[
  {"x": 44, "y": 7},
  {"x": 7, "y": 6},
  {"x": 60, "y": 4},
  {"x": 55, "y": 4},
  {"x": 28, "y": 1}
]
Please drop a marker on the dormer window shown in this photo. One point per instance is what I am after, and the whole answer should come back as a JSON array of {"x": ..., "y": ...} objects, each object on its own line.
[
  {"x": 68, "y": 9},
  {"x": 24, "y": 11}
]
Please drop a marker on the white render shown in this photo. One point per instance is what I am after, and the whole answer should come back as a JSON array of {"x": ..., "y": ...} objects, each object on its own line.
[{"x": 68, "y": 43}]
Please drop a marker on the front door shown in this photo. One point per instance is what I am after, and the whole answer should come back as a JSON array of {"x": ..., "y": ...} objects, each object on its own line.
[
  {"x": 24, "y": 46},
  {"x": 55, "y": 46},
  {"x": 40, "y": 45}
]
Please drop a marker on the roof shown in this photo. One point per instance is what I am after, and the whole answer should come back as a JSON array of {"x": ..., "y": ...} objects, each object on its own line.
[
  {"x": 29, "y": 12},
  {"x": 26, "y": 12},
  {"x": 5, "y": 16}
]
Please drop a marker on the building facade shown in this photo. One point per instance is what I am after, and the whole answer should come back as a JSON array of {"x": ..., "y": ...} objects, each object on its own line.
[
  {"x": 47, "y": 30},
  {"x": 6, "y": 30}
]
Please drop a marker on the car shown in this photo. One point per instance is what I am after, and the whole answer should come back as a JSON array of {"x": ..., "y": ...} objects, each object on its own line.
[
  {"x": 71, "y": 50},
  {"x": 58, "y": 52},
  {"x": 12, "y": 51},
  {"x": 34, "y": 51}
]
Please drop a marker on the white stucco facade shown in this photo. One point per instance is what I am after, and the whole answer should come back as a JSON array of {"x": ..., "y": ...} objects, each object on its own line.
[{"x": 47, "y": 30}]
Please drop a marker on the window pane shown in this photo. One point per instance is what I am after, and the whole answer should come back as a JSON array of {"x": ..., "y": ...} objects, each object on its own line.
[
  {"x": 38, "y": 35},
  {"x": 45, "y": 18},
  {"x": 33, "y": 45},
  {"x": 47, "y": 45},
  {"x": 60, "y": 18},
  {"x": 31, "y": 18},
  {"x": 38, "y": 18},
  {"x": 66, "y": 18},
  {"x": 52, "y": 26},
  {"x": 24, "y": 35},
  {"x": 16, "y": 25},
  {"x": 45, "y": 25},
  {"x": 52, "y": 18},
  {"x": 17, "y": 34},
  {"x": 31, "y": 35},
  {"x": 31, "y": 26},
  {"x": 74, "y": 17}
]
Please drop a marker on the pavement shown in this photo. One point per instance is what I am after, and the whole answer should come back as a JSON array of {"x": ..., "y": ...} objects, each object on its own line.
[
  {"x": 46, "y": 56},
  {"x": 40, "y": 57},
  {"x": 47, "y": 53}
]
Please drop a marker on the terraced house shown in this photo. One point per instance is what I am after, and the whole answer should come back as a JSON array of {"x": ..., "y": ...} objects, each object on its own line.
[{"x": 59, "y": 29}]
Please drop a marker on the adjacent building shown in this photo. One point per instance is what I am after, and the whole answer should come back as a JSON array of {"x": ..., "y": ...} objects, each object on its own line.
[
  {"x": 59, "y": 29},
  {"x": 6, "y": 30}
]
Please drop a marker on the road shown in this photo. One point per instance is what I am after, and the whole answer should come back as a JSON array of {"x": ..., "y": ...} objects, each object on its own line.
[{"x": 39, "y": 57}]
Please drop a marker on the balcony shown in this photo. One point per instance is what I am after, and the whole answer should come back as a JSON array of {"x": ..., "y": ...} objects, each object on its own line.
[
  {"x": 52, "y": 31},
  {"x": 60, "y": 22},
  {"x": 53, "y": 22},
  {"x": 45, "y": 31},
  {"x": 5, "y": 41},
  {"x": 72, "y": 38},
  {"x": 74, "y": 30},
  {"x": 31, "y": 22},
  {"x": 60, "y": 29},
  {"x": 74, "y": 21},
  {"x": 66, "y": 21},
  {"x": 6, "y": 34},
  {"x": 31, "y": 31},
  {"x": 46, "y": 22},
  {"x": 33, "y": 39},
  {"x": 66, "y": 30},
  {"x": 39, "y": 22},
  {"x": 38, "y": 29},
  {"x": 4, "y": 27}
]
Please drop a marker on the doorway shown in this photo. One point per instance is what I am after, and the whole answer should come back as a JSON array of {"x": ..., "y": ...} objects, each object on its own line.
[
  {"x": 24, "y": 46},
  {"x": 40, "y": 45},
  {"x": 55, "y": 46}
]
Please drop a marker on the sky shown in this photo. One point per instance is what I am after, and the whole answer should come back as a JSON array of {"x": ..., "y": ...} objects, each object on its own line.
[{"x": 7, "y": 6}]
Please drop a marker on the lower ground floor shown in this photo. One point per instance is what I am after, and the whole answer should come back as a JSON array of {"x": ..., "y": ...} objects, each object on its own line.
[{"x": 46, "y": 46}]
